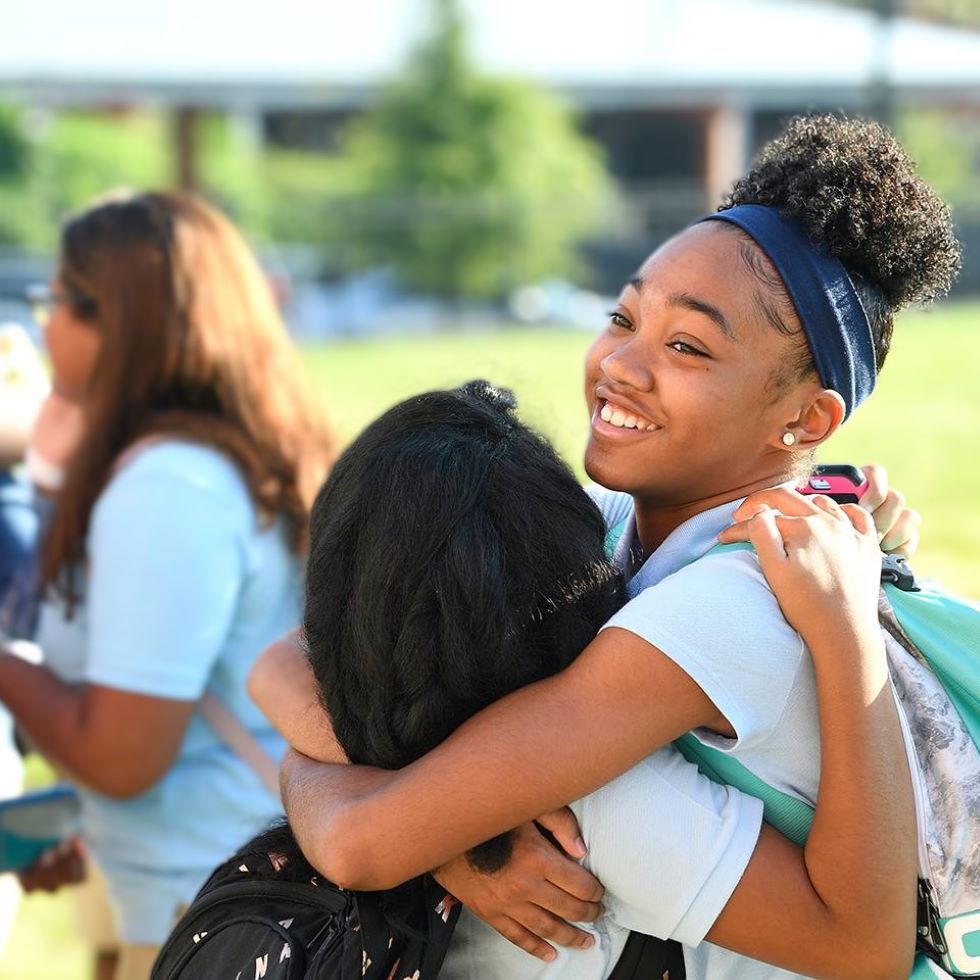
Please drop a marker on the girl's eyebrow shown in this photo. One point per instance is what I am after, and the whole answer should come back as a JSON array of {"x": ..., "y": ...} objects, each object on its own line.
[{"x": 688, "y": 302}]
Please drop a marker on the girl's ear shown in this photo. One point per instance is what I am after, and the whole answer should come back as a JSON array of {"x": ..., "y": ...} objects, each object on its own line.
[{"x": 818, "y": 419}]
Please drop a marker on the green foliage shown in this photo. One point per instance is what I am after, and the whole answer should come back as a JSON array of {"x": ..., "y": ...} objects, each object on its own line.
[
  {"x": 946, "y": 147},
  {"x": 305, "y": 196},
  {"x": 15, "y": 148},
  {"x": 73, "y": 158},
  {"x": 90, "y": 154},
  {"x": 17, "y": 188},
  {"x": 469, "y": 185},
  {"x": 229, "y": 159}
]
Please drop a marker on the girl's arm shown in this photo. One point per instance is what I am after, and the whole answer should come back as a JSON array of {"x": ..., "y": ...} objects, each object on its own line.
[
  {"x": 539, "y": 742},
  {"x": 281, "y": 683},
  {"x": 561, "y": 719},
  {"x": 845, "y": 904},
  {"x": 116, "y": 743}
]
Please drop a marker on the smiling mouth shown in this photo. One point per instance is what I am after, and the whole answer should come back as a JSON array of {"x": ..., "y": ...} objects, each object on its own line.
[{"x": 621, "y": 418}]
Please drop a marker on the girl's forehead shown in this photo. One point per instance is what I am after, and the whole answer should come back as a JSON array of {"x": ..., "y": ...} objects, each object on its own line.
[
  {"x": 712, "y": 266},
  {"x": 704, "y": 261}
]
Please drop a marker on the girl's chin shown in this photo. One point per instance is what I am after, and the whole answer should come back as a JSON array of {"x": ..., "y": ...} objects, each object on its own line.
[{"x": 606, "y": 471}]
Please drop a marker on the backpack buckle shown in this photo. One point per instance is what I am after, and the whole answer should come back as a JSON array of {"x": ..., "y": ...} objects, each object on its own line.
[{"x": 895, "y": 569}]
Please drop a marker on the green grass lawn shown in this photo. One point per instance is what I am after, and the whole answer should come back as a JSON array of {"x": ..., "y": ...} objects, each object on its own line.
[{"x": 923, "y": 424}]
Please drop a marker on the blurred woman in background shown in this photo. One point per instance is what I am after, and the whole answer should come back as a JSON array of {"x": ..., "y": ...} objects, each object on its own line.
[{"x": 175, "y": 549}]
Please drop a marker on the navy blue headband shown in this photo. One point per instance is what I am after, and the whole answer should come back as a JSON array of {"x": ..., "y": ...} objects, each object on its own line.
[{"x": 833, "y": 318}]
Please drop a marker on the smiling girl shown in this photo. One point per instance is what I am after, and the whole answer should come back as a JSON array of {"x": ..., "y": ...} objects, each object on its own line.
[{"x": 739, "y": 347}]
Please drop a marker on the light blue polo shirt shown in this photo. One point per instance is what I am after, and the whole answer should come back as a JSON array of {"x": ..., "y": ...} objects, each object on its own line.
[{"x": 184, "y": 589}]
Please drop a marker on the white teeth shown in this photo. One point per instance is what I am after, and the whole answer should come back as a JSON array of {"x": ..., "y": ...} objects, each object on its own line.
[{"x": 619, "y": 418}]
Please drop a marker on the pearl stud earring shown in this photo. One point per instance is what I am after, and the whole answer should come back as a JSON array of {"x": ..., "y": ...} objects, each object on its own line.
[{"x": 789, "y": 439}]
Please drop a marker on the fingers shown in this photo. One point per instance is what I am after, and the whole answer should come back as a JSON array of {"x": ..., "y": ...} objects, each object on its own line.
[
  {"x": 783, "y": 499},
  {"x": 827, "y": 504},
  {"x": 735, "y": 533},
  {"x": 547, "y": 926},
  {"x": 903, "y": 536},
  {"x": 567, "y": 907},
  {"x": 888, "y": 511},
  {"x": 571, "y": 878},
  {"x": 860, "y": 519},
  {"x": 877, "y": 489},
  {"x": 767, "y": 538},
  {"x": 63, "y": 864},
  {"x": 530, "y": 926},
  {"x": 523, "y": 938},
  {"x": 563, "y": 826}
]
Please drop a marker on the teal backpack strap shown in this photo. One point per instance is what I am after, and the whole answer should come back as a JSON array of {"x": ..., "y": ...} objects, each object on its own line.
[
  {"x": 614, "y": 535},
  {"x": 790, "y": 816}
]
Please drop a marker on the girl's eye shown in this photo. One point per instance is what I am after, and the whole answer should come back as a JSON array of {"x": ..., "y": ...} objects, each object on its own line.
[
  {"x": 618, "y": 320},
  {"x": 687, "y": 349}
]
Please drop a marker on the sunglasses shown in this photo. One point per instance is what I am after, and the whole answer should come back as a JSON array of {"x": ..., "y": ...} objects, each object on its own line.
[{"x": 42, "y": 299}]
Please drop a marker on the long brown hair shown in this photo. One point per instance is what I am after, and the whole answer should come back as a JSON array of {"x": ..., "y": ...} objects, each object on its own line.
[{"x": 192, "y": 347}]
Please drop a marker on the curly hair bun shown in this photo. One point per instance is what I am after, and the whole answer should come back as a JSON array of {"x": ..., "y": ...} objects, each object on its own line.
[{"x": 856, "y": 190}]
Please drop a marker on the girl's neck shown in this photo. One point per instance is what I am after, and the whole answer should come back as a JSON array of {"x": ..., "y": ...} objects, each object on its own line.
[{"x": 656, "y": 520}]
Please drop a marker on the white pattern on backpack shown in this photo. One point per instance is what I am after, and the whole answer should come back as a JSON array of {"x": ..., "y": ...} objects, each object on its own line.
[{"x": 949, "y": 768}]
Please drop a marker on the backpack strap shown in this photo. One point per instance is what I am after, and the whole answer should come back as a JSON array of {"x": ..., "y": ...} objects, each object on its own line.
[
  {"x": 648, "y": 958},
  {"x": 792, "y": 817},
  {"x": 240, "y": 740},
  {"x": 614, "y": 535}
]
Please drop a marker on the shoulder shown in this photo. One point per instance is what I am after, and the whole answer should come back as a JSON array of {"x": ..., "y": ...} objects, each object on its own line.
[
  {"x": 176, "y": 475},
  {"x": 720, "y": 622},
  {"x": 729, "y": 579}
]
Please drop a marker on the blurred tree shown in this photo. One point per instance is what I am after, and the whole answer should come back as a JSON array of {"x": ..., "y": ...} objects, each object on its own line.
[
  {"x": 18, "y": 200},
  {"x": 946, "y": 147},
  {"x": 15, "y": 148},
  {"x": 92, "y": 153},
  {"x": 468, "y": 185},
  {"x": 965, "y": 12}
]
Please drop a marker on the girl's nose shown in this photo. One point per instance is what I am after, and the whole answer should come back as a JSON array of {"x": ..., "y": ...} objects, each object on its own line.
[{"x": 626, "y": 366}]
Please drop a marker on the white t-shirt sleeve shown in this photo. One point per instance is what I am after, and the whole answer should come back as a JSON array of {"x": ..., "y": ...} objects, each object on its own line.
[
  {"x": 719, "y": 621},
  {"x": 669, "y": 845},
  {"x": 166, "y": 566}
]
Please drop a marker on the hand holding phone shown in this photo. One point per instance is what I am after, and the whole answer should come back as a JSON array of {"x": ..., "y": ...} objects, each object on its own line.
[{"x": 841, "y": 482}]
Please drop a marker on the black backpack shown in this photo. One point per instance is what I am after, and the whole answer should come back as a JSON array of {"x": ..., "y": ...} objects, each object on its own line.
[{"x": 267, "y": 914}]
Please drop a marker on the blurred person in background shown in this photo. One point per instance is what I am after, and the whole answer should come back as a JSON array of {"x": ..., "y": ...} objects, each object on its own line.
[
  {"x": 23, "y": 385},
  {"x": 175, "y": 547}
]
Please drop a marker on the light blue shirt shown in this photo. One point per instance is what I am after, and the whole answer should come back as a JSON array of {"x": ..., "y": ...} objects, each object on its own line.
[
  {"x": 185, "y": 587},
  {"x": 716, "y": 617}
]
